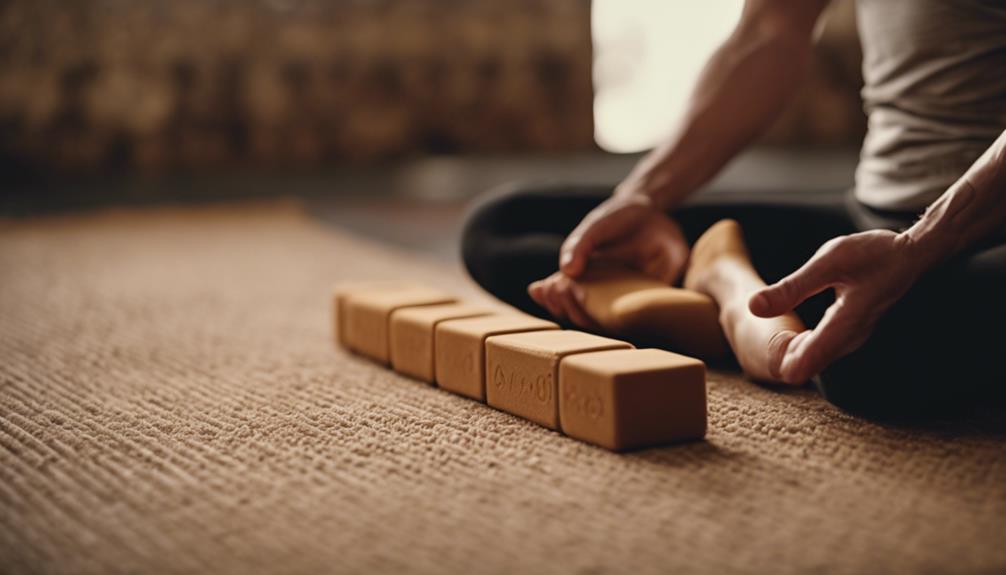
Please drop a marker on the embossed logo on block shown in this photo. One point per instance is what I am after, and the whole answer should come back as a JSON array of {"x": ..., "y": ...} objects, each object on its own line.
[
  {"x": 461, "y": 360},
  {"x": 583, "y": 402},
  {"x": 538, "y": 386}
]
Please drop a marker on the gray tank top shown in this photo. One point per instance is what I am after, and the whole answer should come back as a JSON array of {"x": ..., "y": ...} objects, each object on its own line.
[{"x": 935, "y": 95}]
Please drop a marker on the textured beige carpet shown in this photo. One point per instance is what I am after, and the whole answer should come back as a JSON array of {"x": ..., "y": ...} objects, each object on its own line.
[{"x": 170, "y": 402}]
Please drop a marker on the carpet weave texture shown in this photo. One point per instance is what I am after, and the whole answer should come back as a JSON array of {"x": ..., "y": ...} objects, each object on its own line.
[{"x": 171, "y": 402}]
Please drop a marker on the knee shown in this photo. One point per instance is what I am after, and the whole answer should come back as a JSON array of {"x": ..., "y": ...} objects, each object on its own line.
[
  {"x": 864, "y": 396},
  {"x": 495, "y": 220},
  {"x": 886, "y": 387},
  {"x": 490, "y": 213},
  {"x": 854, "y": 393},
  {"x": 485, "y": 221}
]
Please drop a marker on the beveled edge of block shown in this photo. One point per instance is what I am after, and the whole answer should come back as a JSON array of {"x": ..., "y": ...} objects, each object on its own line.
[
  {"x": 514, "y": 341},
  {"x": 588, "y": 363},
  {"x": 451, "y": 310},
  {"x": 391, "y": 300},
  {"x": 386, "y": 303},
  {"x": 598, "y": 361},
  {"x": 537, "y": 324},
  {"x": 511, "y": 342},
  {"x": 461, "y": 310},
  {"x": 456, "y": 327},
  {"x": 340, "y": 293}
]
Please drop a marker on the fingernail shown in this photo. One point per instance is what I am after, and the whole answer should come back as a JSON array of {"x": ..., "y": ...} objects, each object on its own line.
[{"x": 565, "y": 258}]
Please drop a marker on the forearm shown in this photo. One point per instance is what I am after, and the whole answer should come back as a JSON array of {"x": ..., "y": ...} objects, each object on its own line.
[
  {"x": 743, "y": 87},
  {"x": 969, "y": 211}
]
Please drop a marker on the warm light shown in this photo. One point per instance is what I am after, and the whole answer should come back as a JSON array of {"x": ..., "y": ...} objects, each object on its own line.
[{"x": 647, "y": 56}]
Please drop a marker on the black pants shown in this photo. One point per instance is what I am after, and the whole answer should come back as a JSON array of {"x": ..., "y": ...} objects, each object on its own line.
[{"x": 935, "y": 352}]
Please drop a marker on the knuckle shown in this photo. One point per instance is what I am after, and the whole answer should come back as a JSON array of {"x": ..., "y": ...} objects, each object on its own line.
[
  {"x": 832, "y": 247},
  {"x": 572, "y": 241}
]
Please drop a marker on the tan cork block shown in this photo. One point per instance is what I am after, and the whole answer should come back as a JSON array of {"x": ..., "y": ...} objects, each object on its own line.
[
  {"x": 637, "y": 307},
  {"x": 628, "y": 399},
  {"x": 368, "y": 316},
  {"x": 412, "y": 331},
  {"x": 460, "y": 349},
  {"x": 341, "y": 295},
  {"x": 523, "y": 370}
]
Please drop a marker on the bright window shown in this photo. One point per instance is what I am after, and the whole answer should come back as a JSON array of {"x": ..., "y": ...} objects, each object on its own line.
[{"x": 647, "y": 56}]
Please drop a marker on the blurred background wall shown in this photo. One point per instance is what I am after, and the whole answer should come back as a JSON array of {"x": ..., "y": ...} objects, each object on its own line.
[
  {"x": 165, "y": 84},
  {"x": 161, "y": 86}
]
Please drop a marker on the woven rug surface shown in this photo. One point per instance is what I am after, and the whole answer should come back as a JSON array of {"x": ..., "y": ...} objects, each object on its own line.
[{"x": 171, "y": 402}]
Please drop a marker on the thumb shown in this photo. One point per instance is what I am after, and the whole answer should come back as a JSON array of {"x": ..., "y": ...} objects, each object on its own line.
[
  {"x": 579, "y": 245},
  {"x": 609, "y": 221},
  {"x": 784, "y": 295},
  {"x": 574, "y": 253}
]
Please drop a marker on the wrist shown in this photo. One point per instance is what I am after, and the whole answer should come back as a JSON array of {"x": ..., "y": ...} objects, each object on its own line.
[
  {"x": 923, "y": 249},
  {"x": 635, "y": 198},
  {"x": 650, "y": 189},
  {"x": 632, "y": 192}
]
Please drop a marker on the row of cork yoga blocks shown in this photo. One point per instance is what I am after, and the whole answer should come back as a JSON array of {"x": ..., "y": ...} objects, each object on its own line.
[{"x": 596, "y": 389}]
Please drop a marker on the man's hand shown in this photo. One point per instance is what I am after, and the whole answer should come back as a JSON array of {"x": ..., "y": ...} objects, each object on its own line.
[
  {"x": 629, "y": 230},
  {"x": 563, "y": 298},
  {"x": 869, "y": 272},
  {"x": 624, "y": 229}
]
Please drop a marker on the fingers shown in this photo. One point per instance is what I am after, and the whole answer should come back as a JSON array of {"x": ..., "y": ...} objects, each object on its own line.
[
  {"x": 575, "y": 251},
  {"x": 784, "y": 295},
  {"x": 619, "y": 252},
  {"x": 777, "y": 347},
  {"x": 786, "y": 370},
  {"x": 570, "y": 302},
  {"x": 676, "y": 252},
  {"x": 661, "y": 254},
  {"x": 839, "y": 333},
  {"x": 540, "y": 292},
  {"x": 609, "y": 221},
  {"x": 562, "y": 298},
  {"x": 592, "y": 231}
]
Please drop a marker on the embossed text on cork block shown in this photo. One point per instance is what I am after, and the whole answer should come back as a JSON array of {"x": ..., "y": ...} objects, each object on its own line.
[
  {"x": 412, "y": 330},
  {"x": 522, "y": 370},
  {"x": 460, "y": 349},
  {"x": 628, "y": 399},
  {"x": 368, "y": 316}
]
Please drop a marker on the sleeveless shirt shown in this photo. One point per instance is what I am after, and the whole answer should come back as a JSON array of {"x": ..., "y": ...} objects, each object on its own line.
[{"x": 934, "y": 93}]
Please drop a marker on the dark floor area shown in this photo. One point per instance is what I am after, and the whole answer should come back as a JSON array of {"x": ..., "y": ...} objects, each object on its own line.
[{"x": 416, "y": 204}]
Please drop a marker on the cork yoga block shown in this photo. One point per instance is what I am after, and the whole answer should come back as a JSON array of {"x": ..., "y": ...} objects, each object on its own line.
[
  {"x": 459, "y": 349},
  {"x": 341, "y": 296},
  {"x": 596, "y": 389},
  {"x": 522, "y": 370},
  {"x": 634, "y": 306},
  {"x": 412, "y": 336},
  {"x": 628, "y": 399},
  {"x": 368, "y": 315}
]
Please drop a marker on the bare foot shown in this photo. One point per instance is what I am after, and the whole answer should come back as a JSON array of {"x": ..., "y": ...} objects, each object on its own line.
[{"x": 720, "y": 267}]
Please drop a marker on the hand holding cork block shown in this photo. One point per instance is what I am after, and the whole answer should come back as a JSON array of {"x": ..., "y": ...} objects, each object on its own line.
[
  {"x": 368, "y": 316},
  {"x": 460, "y": 349},
  {"x": 412, "y": 336},
  {"x": 522, "y": 370},
  {"x": 627, "y": 399}
]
